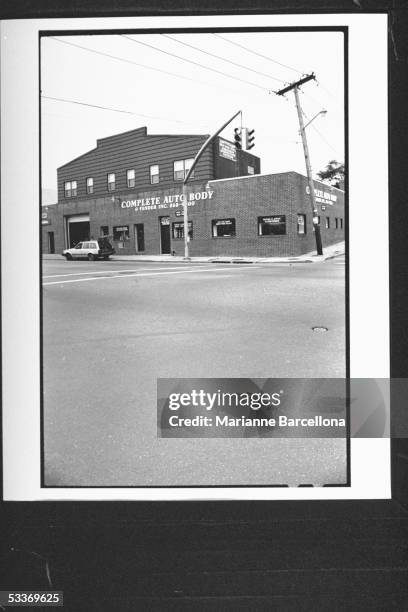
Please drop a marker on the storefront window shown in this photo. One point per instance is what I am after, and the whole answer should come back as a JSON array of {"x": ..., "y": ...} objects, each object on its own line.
[
  {"x": 223, "y": 228},
  {"x": 89, "y": 185},
  {"x": 181, "y": 168},
  {"x": 130, "y": 178},
  {"x": 274, "y": 225},
  {"x": 104, "y": 230},
  {"x": 327, "y": 222},
  {"x": 178, "y": 230},
  {"x": 301, "y": 224},
  {"x": 154, "y": 174},
  {"x": 111, "y": 182},
  {"x": 121, "y": 233}
]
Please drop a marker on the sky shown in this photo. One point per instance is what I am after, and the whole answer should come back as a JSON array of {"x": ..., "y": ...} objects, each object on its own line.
[{"x": 183, "y": 83}]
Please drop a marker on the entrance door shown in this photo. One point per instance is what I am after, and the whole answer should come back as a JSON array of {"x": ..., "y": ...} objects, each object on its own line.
[
  {"x": 139, "y": 237},
  {"x": 165, "y": 235},
  {"x": 51, "y": 243}
]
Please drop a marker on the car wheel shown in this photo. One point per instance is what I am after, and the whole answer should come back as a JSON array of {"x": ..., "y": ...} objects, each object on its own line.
[
  {"x": 91, "y": 257},
  {"x": 68, "y": 257}
]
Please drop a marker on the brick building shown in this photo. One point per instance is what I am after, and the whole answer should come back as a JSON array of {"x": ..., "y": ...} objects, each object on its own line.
[{"x": 130, "y": 186}]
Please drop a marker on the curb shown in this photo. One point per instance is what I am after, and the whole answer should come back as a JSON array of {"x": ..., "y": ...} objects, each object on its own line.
[{"x": 225, "y": 260}]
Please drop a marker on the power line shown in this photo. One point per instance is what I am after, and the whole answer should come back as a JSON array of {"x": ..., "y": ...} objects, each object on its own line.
[
  {"x": 325, "y": 140},
  {"x": 127, "y": 61},
  {"x": 115, "y": 110},
  {"x": 183, "y": 59},
  {"x": 223, "y": 59},
  {"x": 232, "y": 42}
]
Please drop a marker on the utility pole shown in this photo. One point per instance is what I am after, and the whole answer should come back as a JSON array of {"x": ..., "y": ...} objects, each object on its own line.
[
  {"x": 185, "y": 194},
  {"x": 295, "y": 86}
]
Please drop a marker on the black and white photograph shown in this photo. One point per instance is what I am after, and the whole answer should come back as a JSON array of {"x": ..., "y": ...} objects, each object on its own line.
[
  {"x": 198, "y": 293},
  {"x": 193, "y": 227},
  {"x": 203, "y": 237}
]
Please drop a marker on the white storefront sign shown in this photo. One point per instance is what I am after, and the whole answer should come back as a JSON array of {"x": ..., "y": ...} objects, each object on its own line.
[
  {"x": 168, "y": 201},
  {"x": 323, "y": 197}
]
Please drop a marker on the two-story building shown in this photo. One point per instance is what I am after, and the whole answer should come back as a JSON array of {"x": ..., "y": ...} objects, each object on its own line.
[{"x": 130, "y": 188}]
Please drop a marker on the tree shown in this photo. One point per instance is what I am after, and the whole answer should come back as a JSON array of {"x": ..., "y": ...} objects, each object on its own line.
[{"x": 333, "y": 173}]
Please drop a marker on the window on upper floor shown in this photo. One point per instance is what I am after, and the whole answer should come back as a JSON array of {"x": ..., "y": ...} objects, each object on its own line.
[
  {"x": 70, "y": 189},
  {"x": 154, "y": 175},
  {"x": 181, "y": 168},
  {"x": 111, "y": 182},
  {"x": 89, "y": 185},
  {"x": 130, "y": 178}
]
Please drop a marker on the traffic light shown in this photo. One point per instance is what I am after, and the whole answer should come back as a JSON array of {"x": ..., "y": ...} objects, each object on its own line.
[
  {"x": 238, "y": 138},
  {"x": 250, "y": 139}
]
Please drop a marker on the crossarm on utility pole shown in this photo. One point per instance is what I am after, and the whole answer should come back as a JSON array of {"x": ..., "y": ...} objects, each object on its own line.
[
  {"x": 295, "y": 86},
  {"x": 315, "y": 219}
]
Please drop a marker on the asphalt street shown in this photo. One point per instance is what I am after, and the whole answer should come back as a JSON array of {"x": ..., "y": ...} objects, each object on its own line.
[{"x": 110, "y": 329}]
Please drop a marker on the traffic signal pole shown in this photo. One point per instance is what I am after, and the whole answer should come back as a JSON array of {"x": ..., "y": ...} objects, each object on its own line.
[
  {"x": 185, "y": 194},
  {"x": 295, "y": 86}
]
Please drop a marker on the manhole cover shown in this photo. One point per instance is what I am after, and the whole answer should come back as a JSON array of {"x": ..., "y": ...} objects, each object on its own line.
[{"x": 320, "y": 329}]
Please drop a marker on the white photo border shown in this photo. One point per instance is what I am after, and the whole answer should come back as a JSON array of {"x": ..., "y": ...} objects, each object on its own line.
[{"x": 368, "y": 279}]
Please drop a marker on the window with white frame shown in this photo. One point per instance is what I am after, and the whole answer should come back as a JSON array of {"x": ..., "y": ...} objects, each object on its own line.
[
  {"x": 181, "y": 168},
  {"x": 130, "y": 178},
  {"x": 70, "y": 189},
  {"x": 111, "y": 182},
  {"x": 154, "y": 174},
  {"x": 89, "y": 185}
]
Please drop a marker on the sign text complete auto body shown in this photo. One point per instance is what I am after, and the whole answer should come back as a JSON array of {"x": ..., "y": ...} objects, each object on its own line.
[{"x": 169, "y": 201}]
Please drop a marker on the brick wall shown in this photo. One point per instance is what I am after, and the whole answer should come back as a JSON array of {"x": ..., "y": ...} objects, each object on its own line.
[{"x": 244, "y": 199}]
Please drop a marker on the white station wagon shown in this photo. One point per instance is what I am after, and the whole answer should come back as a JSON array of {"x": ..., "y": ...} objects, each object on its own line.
[{"x": 91, "y": 249}]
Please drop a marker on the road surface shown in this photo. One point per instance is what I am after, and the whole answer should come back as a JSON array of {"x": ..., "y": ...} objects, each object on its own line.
[{"x": 110, "y": 329}]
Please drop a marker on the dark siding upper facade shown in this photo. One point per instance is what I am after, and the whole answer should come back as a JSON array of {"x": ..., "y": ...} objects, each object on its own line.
[{"x": 136, "y": 150}]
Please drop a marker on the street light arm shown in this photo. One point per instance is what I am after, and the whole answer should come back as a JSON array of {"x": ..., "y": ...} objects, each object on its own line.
[
  {"x": 322, "y": 112},
  {"x": 205, "y": 145}
]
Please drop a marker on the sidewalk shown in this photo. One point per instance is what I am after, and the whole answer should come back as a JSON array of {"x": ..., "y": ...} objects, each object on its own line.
[{"x": 334, "y": 250}]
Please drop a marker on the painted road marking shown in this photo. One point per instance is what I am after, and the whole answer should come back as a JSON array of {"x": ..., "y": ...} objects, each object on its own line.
[
  {"x": 82, "y": 280},
  {"x": 117, "y": 271}
]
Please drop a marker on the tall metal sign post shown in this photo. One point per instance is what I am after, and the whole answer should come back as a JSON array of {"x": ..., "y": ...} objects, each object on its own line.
[
  {"x": 185, "y": 194},
  {"x": 295, "y": 86}
]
